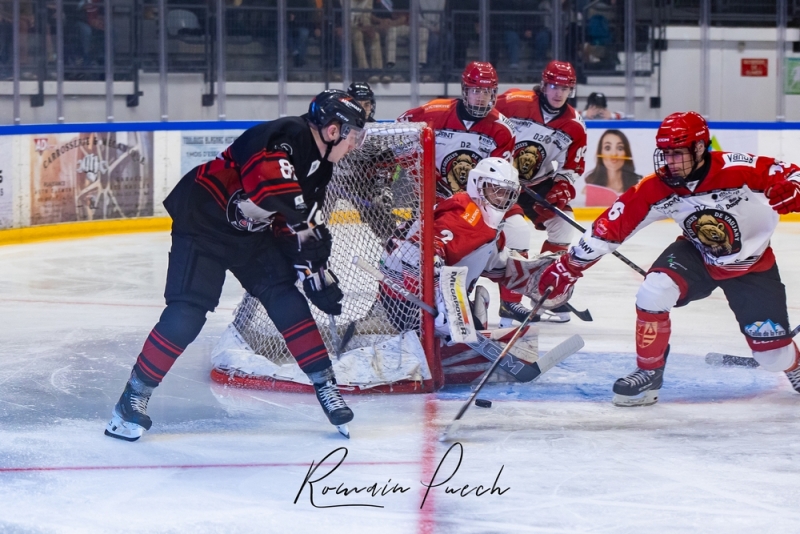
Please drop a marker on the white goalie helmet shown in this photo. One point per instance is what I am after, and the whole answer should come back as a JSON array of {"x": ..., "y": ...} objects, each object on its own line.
[{"x": 494, "y": 186}]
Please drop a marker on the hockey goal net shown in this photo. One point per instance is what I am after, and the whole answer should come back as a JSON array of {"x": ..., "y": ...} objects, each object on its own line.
[{"x": 386, "y": 182}]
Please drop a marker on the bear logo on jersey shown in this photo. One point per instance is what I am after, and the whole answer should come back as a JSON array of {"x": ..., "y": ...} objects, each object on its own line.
[
  {"x": 529, "y": 160},
  {"x": 716, "y": 230},
  {"x": 456, "y": 167}
]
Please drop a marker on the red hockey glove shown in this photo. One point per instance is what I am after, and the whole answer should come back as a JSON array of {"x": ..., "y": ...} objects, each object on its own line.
[
  {"x": 559, "y": 196},
  {"x": 784, "y": 197},
  {"x": 561, "y": 275}
]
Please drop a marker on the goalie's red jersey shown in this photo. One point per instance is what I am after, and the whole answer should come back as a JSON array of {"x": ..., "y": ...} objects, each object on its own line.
[
  {"x": 461, "y": 145},
  {"x": 539, "y": 143},
  {"x": 727, "y": 216}
]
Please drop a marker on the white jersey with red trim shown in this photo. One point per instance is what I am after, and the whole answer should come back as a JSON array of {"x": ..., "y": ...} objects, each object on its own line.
[
  {"x": 460, "y": 144},
  {"x": 539, "y": 142},
  {"x": 727, "y": 216}
]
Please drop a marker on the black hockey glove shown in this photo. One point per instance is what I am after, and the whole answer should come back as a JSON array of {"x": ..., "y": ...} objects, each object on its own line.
[
  {"x": 322, "y": 289},
  {"x": 311, "y": 245}
]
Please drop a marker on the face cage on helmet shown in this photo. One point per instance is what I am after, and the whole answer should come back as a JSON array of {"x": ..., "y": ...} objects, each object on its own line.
[
  {"x": 497, "y": 194},
  {"x": 478, "y": 111},
  {"x": 663, "y": 171}
]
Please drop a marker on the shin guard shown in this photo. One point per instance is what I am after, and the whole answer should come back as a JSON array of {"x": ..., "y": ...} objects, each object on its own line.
[{"x": 652, "y": 337}]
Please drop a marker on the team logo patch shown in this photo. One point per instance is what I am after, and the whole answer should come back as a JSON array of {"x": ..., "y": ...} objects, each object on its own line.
[
  {"x": 239, "y": 220},
  {"x": 456, "y": 167},
  {"x": 717, "y": 232},
  {"x": 528, "y": 159},
  {"x": 765, "y": 329},
  {"x": 646, "y": 334}
]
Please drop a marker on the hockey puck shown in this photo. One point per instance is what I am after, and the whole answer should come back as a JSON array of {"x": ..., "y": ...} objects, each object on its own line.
[{"x": 483, "y": 403}]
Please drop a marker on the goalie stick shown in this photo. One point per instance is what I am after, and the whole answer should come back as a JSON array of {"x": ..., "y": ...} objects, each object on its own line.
[
  {"x": 521, "y": 370},
  {"x": 544, "y": 364},
  {"x": 729, "y": 360}
]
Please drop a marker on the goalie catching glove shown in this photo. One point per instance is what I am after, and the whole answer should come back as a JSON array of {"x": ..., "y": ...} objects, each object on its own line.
[
  {"x": 322, "y": 289},
  {"x": 784, "y": 197},
  {"x": 559, "y": 196}
]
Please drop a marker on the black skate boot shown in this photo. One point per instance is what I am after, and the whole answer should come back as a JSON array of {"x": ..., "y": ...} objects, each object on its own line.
[
  {"x": 129, "y": 418},
  {"x": 641, "y": 387},
  {"x": 331, "y": 400},
  {"x": 514, "y": 311}
]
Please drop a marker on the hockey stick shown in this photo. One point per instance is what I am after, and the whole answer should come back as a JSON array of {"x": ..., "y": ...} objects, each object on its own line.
[
  {"x": 489, "y": 349},
  {"x": 454, "y": 424},
  {"x": 335, "y": 341},
  {"x": 348, "y": 335},
  {"x": 541, "y": 200},
  {"x": 584, "y": 315},
  {"x": 729, "y": 360}
]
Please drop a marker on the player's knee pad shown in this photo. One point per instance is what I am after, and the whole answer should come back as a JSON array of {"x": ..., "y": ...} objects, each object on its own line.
[
  {"x": 777, "y": 359},
  {"x": 559, "y": 231},
  {"x": 181, "y": 322},
  {"x": 517, "y": 232},
  {"x": 658, "y": 293}
]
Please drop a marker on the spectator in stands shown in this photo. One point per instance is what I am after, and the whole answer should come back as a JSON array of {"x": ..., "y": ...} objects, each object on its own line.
[
  {"x": 599, "y": 47},
  {"x": 510, "y": 22},
  {"x": 303, "y": 20},
  {"x": 597, "y": 109},
  {"x": 432, "y": 18},
  {"x": 364, "y": 30},
  {"x": 464, "y": 14},
  {"x": 91, "y": 29},
  {"x": 615, "y": 169},
  {"x": 399, "y": 27}
]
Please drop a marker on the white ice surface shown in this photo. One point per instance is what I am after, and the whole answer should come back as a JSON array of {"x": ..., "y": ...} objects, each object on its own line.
[{"x": 720, "y": 452}]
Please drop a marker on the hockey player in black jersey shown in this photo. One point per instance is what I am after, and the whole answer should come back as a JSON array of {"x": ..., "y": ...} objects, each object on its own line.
[{"x": 252, "y": 211}]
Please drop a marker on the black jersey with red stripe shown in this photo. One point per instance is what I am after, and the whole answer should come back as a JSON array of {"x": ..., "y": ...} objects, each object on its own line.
[{"x": 271, "y": 175}]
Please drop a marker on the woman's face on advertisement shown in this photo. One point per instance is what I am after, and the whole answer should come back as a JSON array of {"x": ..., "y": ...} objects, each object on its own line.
[{"x": 613, "y": 152}]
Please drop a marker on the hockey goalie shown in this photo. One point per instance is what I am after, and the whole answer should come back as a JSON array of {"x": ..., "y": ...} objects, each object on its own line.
[{"x": 468, "y": 244}]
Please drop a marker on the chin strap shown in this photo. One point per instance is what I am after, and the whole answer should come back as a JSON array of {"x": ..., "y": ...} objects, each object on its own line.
[{"x": 328, "y": 144}]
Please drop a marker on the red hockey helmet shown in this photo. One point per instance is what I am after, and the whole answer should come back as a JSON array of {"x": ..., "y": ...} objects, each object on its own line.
[
  {"x": 479, "y": 88},
  {"x": 683, "y": 130},
  {"x": 679, "y": 131},
  {"x": 559, "y": 73}
]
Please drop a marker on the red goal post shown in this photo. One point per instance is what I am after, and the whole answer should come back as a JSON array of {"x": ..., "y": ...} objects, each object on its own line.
[{"x": 387, "y": 182}]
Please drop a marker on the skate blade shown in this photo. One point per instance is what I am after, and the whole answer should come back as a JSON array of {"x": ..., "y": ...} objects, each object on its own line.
[
  {"x": 557, "y": 318},
  {"x": 343, "y": 430},
  {"x": 121, "y": 429},
  {"x": 644, "y": 399}
]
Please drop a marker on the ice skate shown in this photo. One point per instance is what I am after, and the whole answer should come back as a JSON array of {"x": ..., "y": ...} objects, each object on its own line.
[
  {"x": 331, "y": 401},
  {"x": 556, "y": 315},
  {"x": 129, "y": 418},
  {"x": 794, "y": 378},
  {"x": 514, "y": 311},
  {"x": 640, "y": 388}
]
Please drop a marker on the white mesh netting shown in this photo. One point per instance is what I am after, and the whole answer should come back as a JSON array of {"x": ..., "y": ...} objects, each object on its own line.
[{"x": 373, "y": 189}]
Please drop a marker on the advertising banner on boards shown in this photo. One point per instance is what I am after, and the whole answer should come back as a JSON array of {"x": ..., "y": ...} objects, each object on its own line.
[
  {"x": 91, "y": 176},
  {"x": 201, "y": 146}
]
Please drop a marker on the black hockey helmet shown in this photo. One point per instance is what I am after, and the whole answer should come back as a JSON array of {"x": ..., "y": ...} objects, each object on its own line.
[
  {"x": 597, "y": 99},
  {"x": 334, "y": 105},
  {"x": 362, "y": 92}
]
